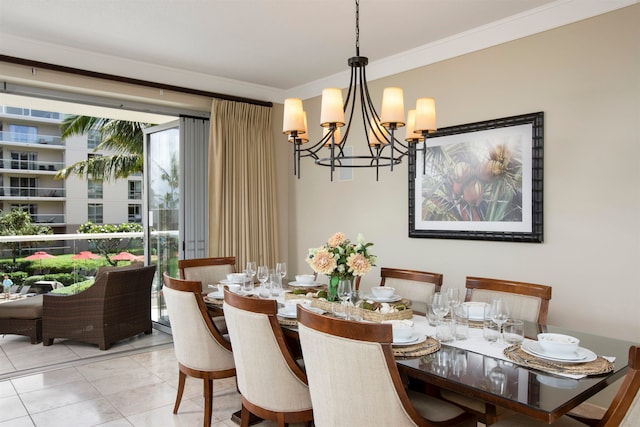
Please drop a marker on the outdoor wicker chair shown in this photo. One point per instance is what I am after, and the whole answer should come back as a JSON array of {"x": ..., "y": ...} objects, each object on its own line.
[{"x": 115, "y": 307}]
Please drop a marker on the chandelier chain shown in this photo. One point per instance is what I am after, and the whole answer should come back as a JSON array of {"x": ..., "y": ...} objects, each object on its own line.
[{"x": 357, "y": 27}]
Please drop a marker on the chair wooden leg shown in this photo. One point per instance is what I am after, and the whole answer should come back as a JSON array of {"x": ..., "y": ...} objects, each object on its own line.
[
  {"x": 181, "y": 380},
  {"x": 208, "y": 401},
  {"x": 245, "y": 415},
  {"x": 280, "y": 419}
]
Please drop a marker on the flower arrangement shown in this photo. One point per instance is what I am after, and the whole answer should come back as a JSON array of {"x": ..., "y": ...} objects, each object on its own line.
[{"x": 341, "y": 259}]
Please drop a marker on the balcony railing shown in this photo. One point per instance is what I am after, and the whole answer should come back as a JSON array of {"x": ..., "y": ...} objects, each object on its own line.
[
  {"x": 48, "y": 218},
  {"x": 30, "y": 112},
  {"x": 33, "y": 192},
  {"x": 8, "y": 136},
  {"x": 32, "y": 165}
]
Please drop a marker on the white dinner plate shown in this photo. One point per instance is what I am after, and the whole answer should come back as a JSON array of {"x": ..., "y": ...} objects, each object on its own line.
[
  {"x": 416, "y": 339},
  {"x": 305, "y": 285},
  {"x": 216, "y": 295},
  {"x": 317, "y": 310},
  {"x": 582, "y": 355},
  {"x": 287, "y": 314},
  {"x": 393, "y": 298},
  {"x": 229, "y": 282}
]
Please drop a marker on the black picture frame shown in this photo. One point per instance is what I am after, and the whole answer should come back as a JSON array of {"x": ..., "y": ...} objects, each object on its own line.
[{"x": 480, "y": 181}]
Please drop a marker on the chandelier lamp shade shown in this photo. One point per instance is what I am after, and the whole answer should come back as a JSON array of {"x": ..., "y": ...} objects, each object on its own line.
[{"x": 337, "y": 115}]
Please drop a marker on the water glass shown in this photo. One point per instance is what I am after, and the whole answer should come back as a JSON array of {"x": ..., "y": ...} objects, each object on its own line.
[
  {"x": 461, "y": 322},
  {"x": 247, "y": 284},
  {"x": 276, "y": 284},
  {"x": 444, "y": 330},
  {"x": 513, "y": 331}
]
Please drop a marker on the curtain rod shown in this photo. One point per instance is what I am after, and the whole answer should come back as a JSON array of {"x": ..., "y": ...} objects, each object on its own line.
[{"x": 120, "y": 79}]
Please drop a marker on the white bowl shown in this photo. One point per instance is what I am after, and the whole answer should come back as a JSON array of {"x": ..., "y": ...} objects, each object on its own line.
[
  {"x": 383, "y": 291},
  {"x": 558, "y": 344},
  {"x": 233, "y": 287},
  {"x": 290, "y": 305},
  {"x": 236, "y": 277},
  {"x": 304, "y": 279},
  {"x": 402, "y": 329}
]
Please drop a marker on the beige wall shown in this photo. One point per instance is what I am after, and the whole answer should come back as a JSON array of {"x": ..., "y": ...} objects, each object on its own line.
[{"x": 586, "y": 79}]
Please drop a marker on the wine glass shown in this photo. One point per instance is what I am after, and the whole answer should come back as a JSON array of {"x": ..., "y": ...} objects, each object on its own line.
[
  {"x": 499, "y": 314},
  {"x": 281, "y": 269},
  {"x": 440, "y": 305},
  {"x": 251, "y": 269},
  {"x": 263, "y": 276},
  {"x": 453, "y": 295},
  {"x": 344, "y": 293}
]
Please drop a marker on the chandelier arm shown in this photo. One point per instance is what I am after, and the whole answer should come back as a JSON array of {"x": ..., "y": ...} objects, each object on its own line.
[{"x": 296, "y": 157}]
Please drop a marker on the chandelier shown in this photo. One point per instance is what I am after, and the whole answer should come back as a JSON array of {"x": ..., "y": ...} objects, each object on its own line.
[{"x": 384, "y": 148}]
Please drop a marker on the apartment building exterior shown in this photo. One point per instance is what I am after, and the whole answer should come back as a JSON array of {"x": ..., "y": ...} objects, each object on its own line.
[{"x": 32, "y": 152}]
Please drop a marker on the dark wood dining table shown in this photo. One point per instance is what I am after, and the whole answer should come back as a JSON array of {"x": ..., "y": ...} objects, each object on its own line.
[
  {"x": 501, "y": 383},
  {"x": 531, "y": 392}
]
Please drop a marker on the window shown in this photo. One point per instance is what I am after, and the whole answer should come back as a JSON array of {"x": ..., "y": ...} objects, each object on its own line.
[
  {"x": 93, "y": 139},
  {"x": 135, "y": 190},
  {"x": 21, "y": 133},
  {"x": 24, "y": 160},
  {"x": 93, "y": 156},
  {"x": 23, "y": 187},
  {"x": 94, "y": 189},
  {"x": 135, "y": 213},
  {"x": 94, "y": 213}
]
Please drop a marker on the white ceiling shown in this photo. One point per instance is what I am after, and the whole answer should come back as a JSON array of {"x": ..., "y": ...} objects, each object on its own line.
[{"x": 269, "y": 49}]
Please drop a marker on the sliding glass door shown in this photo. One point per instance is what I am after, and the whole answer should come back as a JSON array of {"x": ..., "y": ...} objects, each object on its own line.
[{"x": 162, "y": 181}]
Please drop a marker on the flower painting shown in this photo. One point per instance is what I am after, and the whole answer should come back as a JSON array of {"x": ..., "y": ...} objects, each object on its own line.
[{"x": 480, "y": 181}]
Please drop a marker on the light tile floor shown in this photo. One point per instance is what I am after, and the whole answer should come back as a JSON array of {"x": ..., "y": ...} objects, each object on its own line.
[{"x": 75, "y": 384}]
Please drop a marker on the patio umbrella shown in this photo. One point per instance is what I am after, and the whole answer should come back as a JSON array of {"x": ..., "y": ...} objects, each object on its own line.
[
  {"x": 86, "y": 255},
  {"x": 39, "y": 256},
  {"x": 125, "y": 256}
]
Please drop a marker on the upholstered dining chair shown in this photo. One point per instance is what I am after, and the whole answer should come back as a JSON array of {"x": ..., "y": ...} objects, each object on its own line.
[
  {"x": 208, "y": 271},
  {"x": 418, "y": 286},
  {"x": 335, "y": 377},
  {"x": 526, "y": 301},
  {"x": 272, "y": 384},
  {"x": 624, "y": 410},
  {"x": 202, "y": 352}
]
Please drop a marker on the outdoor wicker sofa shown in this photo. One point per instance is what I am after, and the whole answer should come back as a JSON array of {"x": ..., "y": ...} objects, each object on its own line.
[
  {"x": 115, "y": 307},
  {"x": 22, "y": 317}
]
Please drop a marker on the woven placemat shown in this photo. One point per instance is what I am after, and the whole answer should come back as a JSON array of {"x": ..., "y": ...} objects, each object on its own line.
[
  {"x": 521, "y": 357},
  {"x": 431, "y": 345},
  {"x": 287, "y": 321},
  {"x": 476, "y": 324},
  {"x": 213, "y": 301}
]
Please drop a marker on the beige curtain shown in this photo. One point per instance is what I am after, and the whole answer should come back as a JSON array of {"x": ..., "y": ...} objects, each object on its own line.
[{"x": 242, "y": 191}]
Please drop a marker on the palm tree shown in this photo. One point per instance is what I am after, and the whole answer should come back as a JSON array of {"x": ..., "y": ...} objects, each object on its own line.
[{"x": 123, "y": 137}]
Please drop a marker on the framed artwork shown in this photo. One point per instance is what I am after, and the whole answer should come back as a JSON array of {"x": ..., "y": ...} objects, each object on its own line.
[{"x": 480, "y": 181}]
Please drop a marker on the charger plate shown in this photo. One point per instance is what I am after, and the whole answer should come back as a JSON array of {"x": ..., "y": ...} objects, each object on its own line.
[
  {"x": 428, "y": 346},
  {"x": 596, "y": 367}
]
